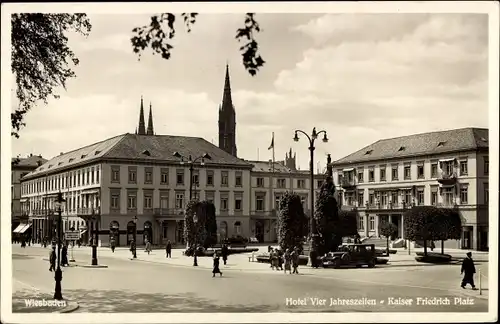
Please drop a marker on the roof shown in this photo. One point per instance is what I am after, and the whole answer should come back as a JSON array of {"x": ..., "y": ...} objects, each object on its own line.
[
  {"x": 266, "y": 166},
  {"x": 144, "y": 147},
  {"x": 462, "y": 139},
  {"x": 32, "y": 161}
]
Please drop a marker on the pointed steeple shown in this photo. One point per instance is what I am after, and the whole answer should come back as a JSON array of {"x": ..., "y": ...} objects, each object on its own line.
[
  {"x": 142, "y": 127},
  {"x": 227, "y": 101},
  {"x": 150, "y": 121}
]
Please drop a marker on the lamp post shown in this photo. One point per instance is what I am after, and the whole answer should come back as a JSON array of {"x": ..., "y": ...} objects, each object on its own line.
[
  {"x": 95, "y": 237},
  {"x": 191, "y": 163},
  {"x": 312, "y": 138},
  {"x": 58, "y": 273},
  {"x": 135, "y": 237},
  {"x": 195, "y": 221}
]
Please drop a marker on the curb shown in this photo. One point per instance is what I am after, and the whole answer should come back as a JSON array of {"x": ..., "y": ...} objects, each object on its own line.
[
  {"x": 93, "y": 266},
  {"x": 71, "y": 307}
]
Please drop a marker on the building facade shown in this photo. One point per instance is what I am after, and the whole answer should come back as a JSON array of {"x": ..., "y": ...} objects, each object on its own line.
[{"x": 445, "y": 169}]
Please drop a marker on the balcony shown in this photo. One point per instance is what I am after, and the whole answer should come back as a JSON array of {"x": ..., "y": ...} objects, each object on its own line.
[
  {"x": 447, "y": 178},
  {"x": 447, "y": 205},
  {"x": 42, "y": 212},
  {"x": 348, "y": 183},
  {"x": 388, "y": 207},
  {"x": 264, "y": 213},
  {"x": 168, "y": 212},
  {"x": 88, "y": 211}
]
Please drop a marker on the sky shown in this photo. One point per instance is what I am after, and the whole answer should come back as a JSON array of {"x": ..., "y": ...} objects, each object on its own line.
[{"x": 360, "y": 77}]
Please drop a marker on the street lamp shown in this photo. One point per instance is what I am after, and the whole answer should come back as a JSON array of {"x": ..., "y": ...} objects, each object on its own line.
[
  {"x": 195, "y": 221},
  {"x": 135, "y": 237},
  {"x": 58, "y": 273},
  {"x": 95, "y": 237},
  {"x": 314, "y": 236},
  {"x": 191, "y": 163}
]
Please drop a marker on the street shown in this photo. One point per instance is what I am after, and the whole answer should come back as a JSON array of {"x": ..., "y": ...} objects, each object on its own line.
[{"x": 139, "y": 286}]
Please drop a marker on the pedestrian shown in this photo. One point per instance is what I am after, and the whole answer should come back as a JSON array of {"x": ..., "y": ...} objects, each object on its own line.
[
  {"x": 168, "y": 248},
  {"x": 52, "y": 259},
  {"x": 432, "y": 245},
  {"x": 468, "y": 270},
  {"x": 295, "y": 260},
  {"x": 64, "y": 256},
  {"x": 287, "y": 259},
  {"x": 280, "y": 259},
  {"x": 23, "y": 242},
  {"x": 79, "y": 242},
  {"x": 132, "y": 247},
  {"x": 224, "y": 253},
  {"x": 148, "y": 246},
  {"x": 112, "y": 243},
  {"x": 216, "y": 265}
]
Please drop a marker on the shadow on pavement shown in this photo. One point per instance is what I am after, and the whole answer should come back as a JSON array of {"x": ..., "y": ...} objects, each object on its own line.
[{"x": 123, "y": 301}]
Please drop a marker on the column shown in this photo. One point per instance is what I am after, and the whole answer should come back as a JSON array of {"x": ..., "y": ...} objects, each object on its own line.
[
  {"x": 402, "y": 227},
  {"x": 475, "y": 237},
  {"x": 377, "y": 220}
]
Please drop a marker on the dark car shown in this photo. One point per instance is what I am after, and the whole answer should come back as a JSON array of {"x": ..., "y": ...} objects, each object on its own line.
[{"x": 356, "y": 255}]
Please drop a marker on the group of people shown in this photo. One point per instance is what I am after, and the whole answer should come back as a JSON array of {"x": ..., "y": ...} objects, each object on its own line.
[
  {"x": 53, "y": 257},
  {"x": 289, "y": 258},
  {"x": 148, "y": 247}
]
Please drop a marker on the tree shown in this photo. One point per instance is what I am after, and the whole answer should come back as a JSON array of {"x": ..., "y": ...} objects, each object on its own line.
[
  {"x": 41, "y": 58},
  {"x": 292, "y": 222},
  {"x": 326, "y": 216},
  {"x": 189, "y": 228},
  {"x": 208, "y": 210},
  {"x": 450, "y": 225},
  {"x": 424, "y": 223},
  {"x": 388, "y": 229}
]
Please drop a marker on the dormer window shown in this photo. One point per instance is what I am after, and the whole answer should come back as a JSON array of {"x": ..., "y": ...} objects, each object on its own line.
[
  {"x": 441, "y": 144},
  {"x": 83, "y": 156},
  {"x": 401, "y": 149},
  {"x": 97, "y": 152},
  {"x": 146, "y": 152},
  {"x": 50, "y": 166},
  {"x": 71, "y": 160},
  {"x": 368, "y": 152},
  {"x": 59, "y": 163}
]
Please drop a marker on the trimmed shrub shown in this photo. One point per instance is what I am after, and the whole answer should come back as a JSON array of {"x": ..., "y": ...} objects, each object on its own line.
[
  {"x": 433, "y": 257},
  {"x": 292, "y": 222},
  {"x": 388, "y": 230}
]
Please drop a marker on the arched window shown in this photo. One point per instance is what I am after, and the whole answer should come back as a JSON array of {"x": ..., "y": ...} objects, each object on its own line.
[
  {"x": 223, "y": 229},
  {"x": 114, "y": 225},
  {"x": 237, "y": 228}
]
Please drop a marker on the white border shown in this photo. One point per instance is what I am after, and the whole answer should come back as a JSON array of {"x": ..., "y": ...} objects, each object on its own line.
[{"x": 486, "y": 7}]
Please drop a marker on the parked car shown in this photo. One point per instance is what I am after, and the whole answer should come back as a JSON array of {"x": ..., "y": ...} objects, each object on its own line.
[
  {"x": 236, "y": 241},
  {"x": 356, "y": 255}
]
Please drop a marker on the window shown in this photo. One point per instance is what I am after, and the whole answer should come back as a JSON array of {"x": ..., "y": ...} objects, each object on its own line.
[
  {"x": 163, "y": 200},
  {"x": 407, "y": 197},
  {"x": 164, "y": 176},
  {"x": 97, "y": 175},
  {"x": 88, "y": 176},
  {"x": 277, "y": 202},
  {"x": 319, "y": 183},
  {"x": 165, "y": 230},
  {"x": 281, "y": 183},
  {"x": 237, "y": 204},
  {"x": 301, "y": 184},
  {"x": 447, "y": 193},
  {"x": 486, "y": 166},
  {"x": 371, "y": 198},
  {"x": 179, "y": 201},
  {"x": 260, "y": 182},
  {"x": 420, "y": 197},
  {"x": 223, "y": 203},
  {"x": 434, "y": 197},
  {"x": 360, "y": 176},
  {"x": 132, "y": 175},
  {"x": 434, "y": 170},
  {"x": 372, "y": 223},
  {"x": 132, "y": 201},
  {"x": 464, "y": 195},
  {"x": 407, "y": 172},
  {"x": 464, "y": 169},
  {"x": 420, "y": 171},
  {"x": 394, "y": 174},
  {"x": 237, "y": 180},
  {"x": 486, "y": 194},
  {"x": 259, "y": 203},
  {"x": 148, "y": 175},
  {"x": 79, "y": 183},
  {"x": 210, "y": 178},
  {"x": 394, "y": 198},
  {"x": 371, "y": 175},
  {"x": 361, "y": 201},
  {"x": 382, "y": 173},
  {"x": 148, "y": 201},
  {"x": 195, "y": 179},
  {"x": 361, "y": 223},
  {"x": 339, "y": 177},
  {"x": 180, "y": 177},
  {"x": 237, "y": 228},
  {"x": 384, "y": 199},
  {"x": 224, "y": 178},
  {"x": 115, "y": 201}
]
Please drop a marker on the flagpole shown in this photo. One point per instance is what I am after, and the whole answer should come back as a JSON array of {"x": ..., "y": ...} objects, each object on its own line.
[{"x": 272, "y": 178}]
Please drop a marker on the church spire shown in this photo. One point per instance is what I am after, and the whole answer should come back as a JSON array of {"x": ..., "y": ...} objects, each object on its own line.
[
  {"x": 150, "y": 121},
  {"x": 227, "y": 101},
  {"x": 227, "y": 119},
  {"x": 142, "y": 127}
]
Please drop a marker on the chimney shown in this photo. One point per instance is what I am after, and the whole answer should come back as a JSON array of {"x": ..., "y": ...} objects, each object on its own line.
[
  {"x": 61, "y": 153},
  {"x": 30, "y": 155}
]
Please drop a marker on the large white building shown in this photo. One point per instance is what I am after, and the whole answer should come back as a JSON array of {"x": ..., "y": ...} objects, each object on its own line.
[{"x": 447, "y": 168}]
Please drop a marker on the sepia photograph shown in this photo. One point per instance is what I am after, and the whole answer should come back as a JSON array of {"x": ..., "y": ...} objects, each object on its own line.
[{"x": 249, "y": 162}]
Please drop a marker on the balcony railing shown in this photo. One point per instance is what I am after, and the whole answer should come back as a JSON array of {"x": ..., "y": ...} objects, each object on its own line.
[
  {"x": 447, "y": 205},
  {"x": 447, "y": 177},
  {"x": 388, "y": 206},
  {"x": 89, "y": 211},
  {"x": 42, "y": 212},
  {"x": 266, "y": 213},
  {"x": 348, "y": 183},
  {"x": 168, "y": 212}
]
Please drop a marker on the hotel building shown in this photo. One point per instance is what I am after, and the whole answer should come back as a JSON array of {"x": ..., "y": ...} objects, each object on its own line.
[{"x": 444, "y": 169}]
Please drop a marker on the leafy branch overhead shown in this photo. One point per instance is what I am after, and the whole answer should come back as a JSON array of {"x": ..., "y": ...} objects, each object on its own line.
[
  {"x": 41, "y": 58},
  {"x": 161, "y": 30}
]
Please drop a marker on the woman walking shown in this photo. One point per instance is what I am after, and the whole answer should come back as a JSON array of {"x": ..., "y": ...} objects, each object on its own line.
[
  {"x": 168, "y": 249},
  {"x": 295, "y": 260},
  {"x": 288, "y": 261},
  {"x": 148, "y": 246},
  {"x": 113, "y": 244},
  {"x": 216, "y": 265}
]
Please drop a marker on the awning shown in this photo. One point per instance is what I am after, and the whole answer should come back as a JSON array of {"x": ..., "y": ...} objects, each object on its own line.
[
  {"x": 348, "y": 169},
  {"x": 447, "y": 160},
  {"x": 22, "y": 230},
  {"x": 90, "y": 191},
  {"x": 19, "y": 227},
  {"x": 23, "y": 200}
]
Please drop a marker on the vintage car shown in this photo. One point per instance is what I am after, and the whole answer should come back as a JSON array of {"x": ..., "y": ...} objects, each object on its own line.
[{"x": 356, "y": 255}]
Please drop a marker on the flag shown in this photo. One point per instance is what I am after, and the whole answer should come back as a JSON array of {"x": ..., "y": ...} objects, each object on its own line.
[{"x": 272, "y": 143}]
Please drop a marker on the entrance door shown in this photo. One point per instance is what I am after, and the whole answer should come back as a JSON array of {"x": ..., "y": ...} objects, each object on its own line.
[
  {"x": 396, "y": 221},
  {"x": 259, "y": 230},
  {"x": 467, "y": 238}
]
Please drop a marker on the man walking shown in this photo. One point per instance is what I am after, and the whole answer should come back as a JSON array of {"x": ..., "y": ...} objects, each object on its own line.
[
  {"x": 168, "y": 248},
  {"x": 468, "y": 270},
  {"x": 52, "y": 259},
  {"x": 224, "y": 253}
]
